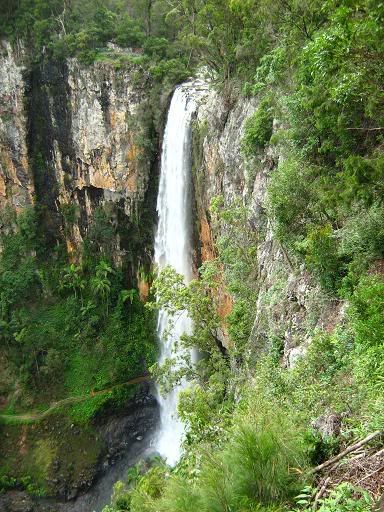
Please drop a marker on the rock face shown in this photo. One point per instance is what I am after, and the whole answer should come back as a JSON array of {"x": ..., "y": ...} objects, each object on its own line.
[
  {"x": 16, "y": 183},
  {"x": 328, "y": 425},
  {"x": 103, "y": 104},
  {"x": 70, "y": 141},
  {"x": 289, "y": 304}
]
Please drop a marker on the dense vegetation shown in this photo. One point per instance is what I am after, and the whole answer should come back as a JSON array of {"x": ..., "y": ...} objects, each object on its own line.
[
  {"x": 68, "y": 331},
  {"x": 71, "y": 324},
  {"x": 315, "y": 67}
]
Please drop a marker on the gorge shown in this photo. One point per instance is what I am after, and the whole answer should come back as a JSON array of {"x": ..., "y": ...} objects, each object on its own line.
[{"x": 147, "y": 216}]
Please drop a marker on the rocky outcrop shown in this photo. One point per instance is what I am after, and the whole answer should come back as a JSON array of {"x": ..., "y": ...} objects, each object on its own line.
[
  {"x": 71, "y": 140},
  {"x": 16, "y": 182},
  {"x": 289, "y": 305}
]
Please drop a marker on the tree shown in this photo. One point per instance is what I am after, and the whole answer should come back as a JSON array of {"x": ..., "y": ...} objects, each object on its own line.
[
  {"x": 197, "y": 299},
  {"x": 72, "y": 280},
  {"x": 101, "y": 284}
]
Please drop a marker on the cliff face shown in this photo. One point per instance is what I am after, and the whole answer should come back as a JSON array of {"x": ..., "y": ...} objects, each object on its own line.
[
  {"x": 69, "y": 138},
  {"x": 78, "y": 142},
  {"x": 16, "y": 183},
  {"x": 289, "y": 304}
]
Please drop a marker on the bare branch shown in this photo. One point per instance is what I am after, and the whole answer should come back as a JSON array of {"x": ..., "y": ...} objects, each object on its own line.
[{"x": 350, "y": 449}]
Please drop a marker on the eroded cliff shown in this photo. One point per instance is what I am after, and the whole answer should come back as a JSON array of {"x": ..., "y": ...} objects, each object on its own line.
[
  {"x": 289, "y": 304},
  {"x": 78, "y": 146},
  {"x": 75, "y": 138}
]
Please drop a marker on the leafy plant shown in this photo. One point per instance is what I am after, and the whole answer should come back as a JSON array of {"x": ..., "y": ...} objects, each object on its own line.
[
  {"x": 258, "y": 129},
  {"x": 343, "y": 498}
]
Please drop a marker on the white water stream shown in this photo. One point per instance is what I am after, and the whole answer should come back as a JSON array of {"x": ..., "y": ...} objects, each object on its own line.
[{"x": 173, "y": 247}]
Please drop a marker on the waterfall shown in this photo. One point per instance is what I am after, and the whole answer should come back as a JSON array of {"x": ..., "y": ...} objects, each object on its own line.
[{"x": 173, "y": 247}]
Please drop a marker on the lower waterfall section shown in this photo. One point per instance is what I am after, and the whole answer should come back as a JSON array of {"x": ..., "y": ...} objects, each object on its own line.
[{"x": 173, "y": 248}]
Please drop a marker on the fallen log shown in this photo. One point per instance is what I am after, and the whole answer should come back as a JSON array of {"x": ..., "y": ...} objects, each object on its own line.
[{"x": 348, "y": 450}]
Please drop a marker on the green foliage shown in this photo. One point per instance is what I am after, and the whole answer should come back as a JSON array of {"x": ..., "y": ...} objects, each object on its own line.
[
  {"x": 343, "y": 498},
  {"x": 329, "y": 184},
  {"x": 253, "y": 471},
  {"x": 339, "y": 373},
  {"x": 203, "y": 410},
  {"x": 23, "y": 482},
  {"x": 366, "y": 316},
  {"x": 270, "y": 70},
  {"x": 101, "y": 234},
  {"x": 262, "y": 459},
  {"x": 175, "y": 296},
  {"x": 83, "y": 29},
  {"x": 170, "y": 71},
  {"x": 290, "y": 192},
  {"x": 179, "y": 496},
  {"x": 237, "y": 248},
  {"x": 72, "y": 324},
  {"x": 362, "y": 179},
  {"x": 70, "y": 213},
  {"x": 129, "y": 32},
  {"x": 322, "y": 258},
  {"x": 83, "y": 327},
  {"x": 258, "y": 129},
  {"x": 362, "y": 235},
  {"x": 72, "y": 280}
]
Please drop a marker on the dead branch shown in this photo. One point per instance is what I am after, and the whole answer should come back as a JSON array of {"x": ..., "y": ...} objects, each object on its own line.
[
  {"x": 321, "y": 492},
  {"x": 377, "y": 454},
  {"x": 348, "y": 450},
  {"x": 367, "y": 129},
  {"x": 371, "y": 474}
]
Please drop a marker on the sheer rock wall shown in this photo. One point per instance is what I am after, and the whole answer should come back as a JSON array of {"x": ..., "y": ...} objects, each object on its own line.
[
  {"x": 69, "y": 137},
  {"x": 289, "y": 305}
]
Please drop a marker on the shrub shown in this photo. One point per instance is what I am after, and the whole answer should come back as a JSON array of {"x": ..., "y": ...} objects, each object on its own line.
[
  {"x": 291, "y": 193},
  {"x": 128, "y": 32},
  {"x": 343, "y": 498},
  {"x": 258, "y": 129},
  {"x": 321, "y": 255},
  {"x": 346, "y": 498},
  {"x": 179, "y": 496},
  {"x": 362, "y": 179},
  {"x": 367, "y": 321},
  {"x": 148, "y": 490},
  {"x": 261, "y": 458},
  {"x": 363, "y": 234}
]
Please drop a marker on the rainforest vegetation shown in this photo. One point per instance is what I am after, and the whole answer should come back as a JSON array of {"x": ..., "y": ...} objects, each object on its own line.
[{"x": 315, "y": 69}]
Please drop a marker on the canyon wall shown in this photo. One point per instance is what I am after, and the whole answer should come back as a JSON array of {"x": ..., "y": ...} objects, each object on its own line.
[
  {"x": 290, "y": 305},
  {"x": 71, "y": 140},
  {"x": 16, "y": 182},
  {"x": 78, "y": 142}
]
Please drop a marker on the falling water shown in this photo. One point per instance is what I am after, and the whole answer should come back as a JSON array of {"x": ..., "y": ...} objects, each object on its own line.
[{"x": 173, "y": 247}]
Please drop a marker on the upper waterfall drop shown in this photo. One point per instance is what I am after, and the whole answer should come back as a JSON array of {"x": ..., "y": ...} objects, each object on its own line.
[{"x": 173, "y": 248}]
